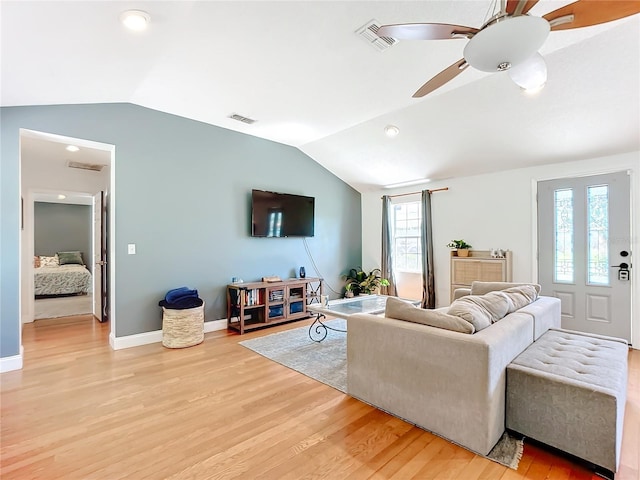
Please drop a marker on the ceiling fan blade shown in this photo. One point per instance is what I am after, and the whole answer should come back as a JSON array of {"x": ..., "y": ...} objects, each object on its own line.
[
  {"x": 425, "y": 31},
  {"x": 443, "y": 77},
  {"x": 524, "y": 6},
  {"x": 591, "y": 12}
]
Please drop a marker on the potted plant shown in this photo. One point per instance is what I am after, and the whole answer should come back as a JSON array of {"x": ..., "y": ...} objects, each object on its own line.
[
  {"x": 461, "y": 247},
  {"x": 360, "y": 281},
  {"x": 348, "y": 290}
]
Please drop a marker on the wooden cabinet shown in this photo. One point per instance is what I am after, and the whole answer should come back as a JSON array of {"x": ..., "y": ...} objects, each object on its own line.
[
  {"x": 479, "y": 266},
  {"x": 260, "y": 304}
]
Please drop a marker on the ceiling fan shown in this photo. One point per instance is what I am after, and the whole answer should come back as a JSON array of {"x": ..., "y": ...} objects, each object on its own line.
[{"x": 509, "y": 40}]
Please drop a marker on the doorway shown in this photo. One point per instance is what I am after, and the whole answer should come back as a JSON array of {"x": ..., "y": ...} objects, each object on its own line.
[
  {"x": 81, "y": 170},
  {"x": 62, "y": 223},
  {"x": 584, "y": 251}
]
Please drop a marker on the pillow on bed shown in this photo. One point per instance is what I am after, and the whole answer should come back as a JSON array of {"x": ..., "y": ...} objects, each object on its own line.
[
  {"x": 46, "y": 261},
  {"x": 70, "y": 258}
]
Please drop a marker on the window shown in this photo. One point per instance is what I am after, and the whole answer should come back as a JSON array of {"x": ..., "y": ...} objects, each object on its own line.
[{"x": 407, "y": 247}]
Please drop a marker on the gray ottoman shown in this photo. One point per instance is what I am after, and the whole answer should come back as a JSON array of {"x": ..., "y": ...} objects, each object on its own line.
[{"x": 568, "y": 390}]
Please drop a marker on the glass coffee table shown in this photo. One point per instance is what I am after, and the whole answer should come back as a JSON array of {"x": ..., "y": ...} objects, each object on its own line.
[{"x": 344, "y": 308}]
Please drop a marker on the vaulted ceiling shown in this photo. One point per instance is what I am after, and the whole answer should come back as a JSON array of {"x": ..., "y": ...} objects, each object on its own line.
[{"x": 310, "y": 81}]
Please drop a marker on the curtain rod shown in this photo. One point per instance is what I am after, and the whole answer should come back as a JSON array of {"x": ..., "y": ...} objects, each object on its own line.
[{"x": 414, "y": 193}]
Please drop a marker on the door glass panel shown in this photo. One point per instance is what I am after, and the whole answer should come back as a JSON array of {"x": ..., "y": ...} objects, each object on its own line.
[
  {"x": 563, "y": 252},
  {"x": 598, "y": 230}
]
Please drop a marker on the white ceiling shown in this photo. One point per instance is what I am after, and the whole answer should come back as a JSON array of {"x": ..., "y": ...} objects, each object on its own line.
[{"x": 311, "y": 82}]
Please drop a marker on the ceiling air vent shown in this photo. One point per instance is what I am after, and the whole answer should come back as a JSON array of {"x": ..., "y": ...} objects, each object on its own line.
[
  {"x": 242, "y": 119},
  {"x": 95, "y": 167},
  {"x": 368, "y": 33}
]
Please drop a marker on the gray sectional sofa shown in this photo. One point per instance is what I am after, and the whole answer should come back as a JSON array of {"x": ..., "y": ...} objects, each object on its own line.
[{"x": 443, "y": 380}]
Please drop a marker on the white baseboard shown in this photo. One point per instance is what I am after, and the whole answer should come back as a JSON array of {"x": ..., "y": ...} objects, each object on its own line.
[
  {"x": 215, "y": 325},
  {"x": 118, "y": 343},
  {"x": 8, "y": 364}
]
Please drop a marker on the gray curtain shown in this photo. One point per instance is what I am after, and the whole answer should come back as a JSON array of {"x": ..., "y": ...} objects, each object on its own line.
[
  {"x": 387, "y": 249},
  {"x": 428, "y": 281}
]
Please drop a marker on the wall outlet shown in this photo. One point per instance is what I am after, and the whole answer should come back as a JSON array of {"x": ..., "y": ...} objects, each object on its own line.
[{"x": 131, "y": 249}]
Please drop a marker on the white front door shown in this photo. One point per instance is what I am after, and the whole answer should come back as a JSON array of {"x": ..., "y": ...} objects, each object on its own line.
[{"x": 584, "y": 251}]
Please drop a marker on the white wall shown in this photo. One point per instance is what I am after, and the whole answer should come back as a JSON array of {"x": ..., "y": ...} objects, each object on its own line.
[{"x": 498, "y": 211}]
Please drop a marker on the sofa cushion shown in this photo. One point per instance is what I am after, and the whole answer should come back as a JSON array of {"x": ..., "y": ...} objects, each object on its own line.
[
  {"x": 481, "y": 310},
  {"x": 404, "y": 310},
  {"x": 480, "y": 288}
]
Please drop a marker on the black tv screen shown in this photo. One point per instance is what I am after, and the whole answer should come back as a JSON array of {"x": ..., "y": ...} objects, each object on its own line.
[{"x": 281, "y": 214}]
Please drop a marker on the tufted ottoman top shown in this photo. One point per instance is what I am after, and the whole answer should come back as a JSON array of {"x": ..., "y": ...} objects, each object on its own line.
[{"x": 581, "y": 357}]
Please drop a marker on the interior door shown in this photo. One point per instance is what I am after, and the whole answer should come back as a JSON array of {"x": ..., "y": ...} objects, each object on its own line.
[
  {"x": 100, "y": 283},
  {"x": 104, "y": 257},
  {"x": 584, "y": 251},
  {"x": 97, "y": 255}
]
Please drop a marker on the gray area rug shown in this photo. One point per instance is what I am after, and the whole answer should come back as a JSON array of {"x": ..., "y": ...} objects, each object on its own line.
[{"x": 327, "y": 362}]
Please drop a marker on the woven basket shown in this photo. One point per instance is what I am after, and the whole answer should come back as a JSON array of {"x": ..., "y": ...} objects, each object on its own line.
[{"x": 182, "y": 328}]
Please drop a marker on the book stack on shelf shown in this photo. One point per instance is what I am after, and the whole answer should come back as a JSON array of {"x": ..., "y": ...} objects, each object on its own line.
[
  {"x": 254, "y": 297},
  {"x": 276, "y": 295}
]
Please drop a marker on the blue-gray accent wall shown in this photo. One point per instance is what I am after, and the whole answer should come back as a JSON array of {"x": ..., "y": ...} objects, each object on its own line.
[
  {"x": 182, "y": 195},
  {"x": 61, "y": 227}
]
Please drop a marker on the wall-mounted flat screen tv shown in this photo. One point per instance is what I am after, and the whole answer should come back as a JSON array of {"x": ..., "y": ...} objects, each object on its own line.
[{"x": 281, "y": 214}]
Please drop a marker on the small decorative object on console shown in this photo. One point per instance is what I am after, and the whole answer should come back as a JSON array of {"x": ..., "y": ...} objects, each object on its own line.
[
  {"x": 303, "y": 273},
  {"x": 271, "y": 279}
]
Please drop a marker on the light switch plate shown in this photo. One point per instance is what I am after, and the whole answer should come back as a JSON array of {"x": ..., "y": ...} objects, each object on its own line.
[{"x": 131, "y": 249}]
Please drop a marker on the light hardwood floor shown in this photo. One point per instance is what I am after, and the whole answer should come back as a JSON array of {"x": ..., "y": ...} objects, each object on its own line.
[{"x": 79, "y": 410}]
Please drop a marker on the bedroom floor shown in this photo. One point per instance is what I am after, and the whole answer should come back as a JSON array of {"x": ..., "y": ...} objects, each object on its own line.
[{"x": 63, "y": 306}]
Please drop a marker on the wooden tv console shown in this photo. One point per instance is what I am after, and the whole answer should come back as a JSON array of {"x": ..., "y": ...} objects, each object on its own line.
[{"x": 260, "y": 304}]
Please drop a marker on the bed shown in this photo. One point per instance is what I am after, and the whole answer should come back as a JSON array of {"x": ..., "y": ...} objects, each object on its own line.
[{"x": 52, "y": 278}]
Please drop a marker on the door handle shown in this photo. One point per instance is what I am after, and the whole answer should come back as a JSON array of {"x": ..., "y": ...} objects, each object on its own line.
[
  {"x": 623, "y": 271},
  {"x": 622, "y": 266}
]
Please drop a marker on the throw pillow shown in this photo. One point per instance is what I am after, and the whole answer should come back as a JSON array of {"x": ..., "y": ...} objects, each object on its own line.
[
  {"x": 46, "y": 261},
  {"x": 36, "y": 261},
  {"x": 520, "y": 296},
  {"x": 481, "y": 288},
  {"x": 404, "y": 310},
  {"x": 70, "y": 258},
  {"x": 480, "y": 310}
]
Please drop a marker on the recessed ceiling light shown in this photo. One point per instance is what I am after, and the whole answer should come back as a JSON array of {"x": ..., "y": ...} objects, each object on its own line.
[
  {"x": 72, "y": 148},
  {"x": 61, "y": 197},
  {"x": 391, "y": 130},
  {"x": 136, "y": 20}
]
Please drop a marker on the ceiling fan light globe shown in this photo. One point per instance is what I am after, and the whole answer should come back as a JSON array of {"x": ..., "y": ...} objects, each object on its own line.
[
  {"x": 512, "y": 40},
  {"x": 530, "y": 75}
]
